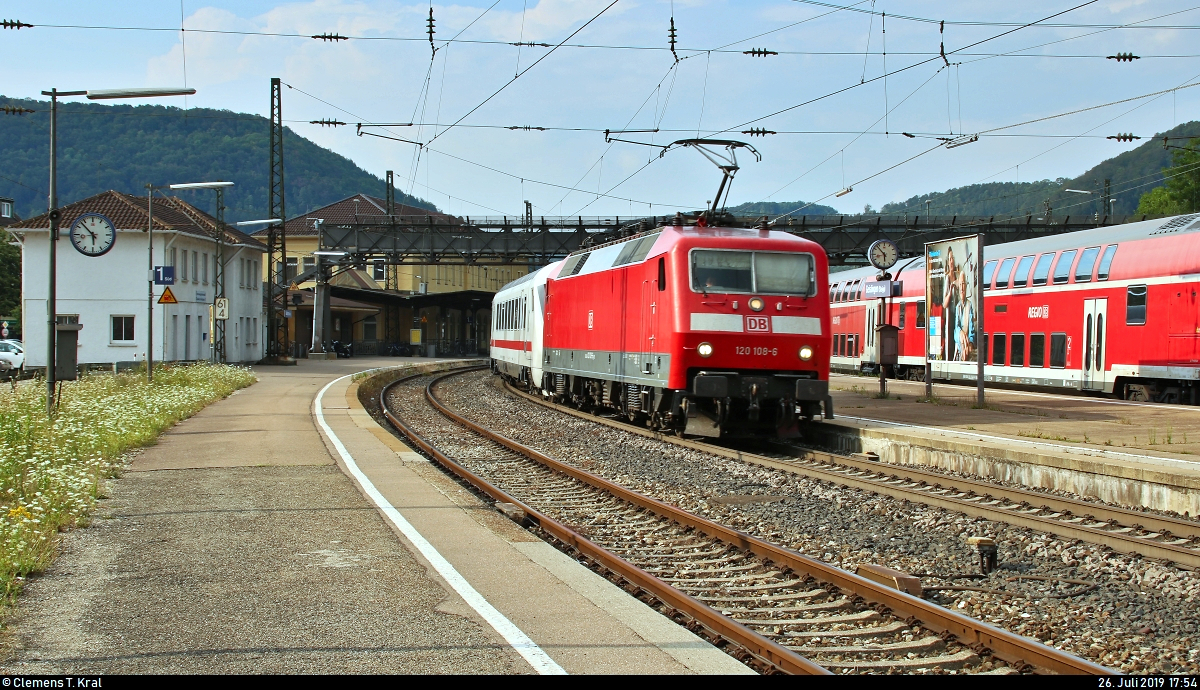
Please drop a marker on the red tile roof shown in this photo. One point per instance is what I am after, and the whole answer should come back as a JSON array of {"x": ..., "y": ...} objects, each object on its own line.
[
  {"x": 345, "y": 212},
  {"x": 128, "y": 212}
]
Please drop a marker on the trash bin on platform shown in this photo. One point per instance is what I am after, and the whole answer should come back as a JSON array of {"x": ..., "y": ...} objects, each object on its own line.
[{"x": 431, "y": 350}]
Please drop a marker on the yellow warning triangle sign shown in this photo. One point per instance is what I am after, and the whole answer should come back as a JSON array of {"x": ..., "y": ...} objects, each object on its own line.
[{"x": 168, "y": 297}]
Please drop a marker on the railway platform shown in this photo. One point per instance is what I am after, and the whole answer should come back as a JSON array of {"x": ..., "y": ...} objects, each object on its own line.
[
  {"x": 1130, "y": 453},
  {"x": 282, "y": 530}
]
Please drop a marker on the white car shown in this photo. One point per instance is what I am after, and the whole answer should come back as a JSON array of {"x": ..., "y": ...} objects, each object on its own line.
[{"x": 12, "y": 357}]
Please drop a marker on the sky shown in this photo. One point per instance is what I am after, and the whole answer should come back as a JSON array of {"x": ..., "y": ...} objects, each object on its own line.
[{"x": 838, "y": 120}]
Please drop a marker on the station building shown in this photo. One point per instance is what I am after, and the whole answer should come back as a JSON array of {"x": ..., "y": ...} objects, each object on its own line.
[
  {"x": 377, "y": 305},
  {"x": 107, "y": 294}
]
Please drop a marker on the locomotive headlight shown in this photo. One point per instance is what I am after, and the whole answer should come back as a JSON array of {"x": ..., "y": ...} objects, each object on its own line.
[
  {"x": 806, "y": 353},
  {"x": 756, "y": 304},
  {"x": 705, "y": 349}
]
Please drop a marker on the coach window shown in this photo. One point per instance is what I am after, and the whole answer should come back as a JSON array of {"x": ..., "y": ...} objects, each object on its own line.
[
  {"x": 858, "y": 285},
  {"x": 901, "y": 325},
  {"x": 854, "y": 345},
  {"x": 1017, "y": 357},
  {"x": 1037, "y": 349},
  {"x": 1058, "y": 350},
  {"x": 1042, "y": 270},
  {"x": 1021, "y": 277},
  {"x": 988, "y": 269},
  {"x": 1062, "y": 269},
  {"x": 1106, "y": 262},
  {"x": 999, "y": 351},
  {"x": 1002, "y": 275},
  {"x": 920, "y": 313},
  {"x": 1135, "y": 305},
  {"x": 1087, "y": 261}
]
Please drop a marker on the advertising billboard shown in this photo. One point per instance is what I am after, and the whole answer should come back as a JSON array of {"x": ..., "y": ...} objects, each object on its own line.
[{"x": 954, "y": 291}]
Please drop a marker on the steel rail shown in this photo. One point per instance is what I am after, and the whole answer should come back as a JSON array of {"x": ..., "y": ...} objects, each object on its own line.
[
  {"x": 938, "y": 490},
  {"x": 1016, "y": 650},
  {"x": 768, "y": 654}
]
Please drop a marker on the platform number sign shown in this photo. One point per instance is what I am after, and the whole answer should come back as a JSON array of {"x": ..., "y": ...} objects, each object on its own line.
[
  {"x": 221, "y": 309},
  {"x": 758, "y": 324}
]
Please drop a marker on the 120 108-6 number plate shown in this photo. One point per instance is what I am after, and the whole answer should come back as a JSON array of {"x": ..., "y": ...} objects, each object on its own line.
[{"x": 760, "y": 351}]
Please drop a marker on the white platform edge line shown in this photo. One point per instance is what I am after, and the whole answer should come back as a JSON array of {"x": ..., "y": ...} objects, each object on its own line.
[{"x": 527, "y": 648}]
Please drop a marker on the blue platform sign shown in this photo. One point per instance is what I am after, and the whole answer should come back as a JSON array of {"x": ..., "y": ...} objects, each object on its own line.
[{"x": 164, "y": 275}]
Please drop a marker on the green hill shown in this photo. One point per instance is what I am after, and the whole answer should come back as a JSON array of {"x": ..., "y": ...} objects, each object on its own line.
[
  {"x": 775, "y": 208},
  {"x": 123, "y": 147},
  {"x": 1133, "y": 173}
]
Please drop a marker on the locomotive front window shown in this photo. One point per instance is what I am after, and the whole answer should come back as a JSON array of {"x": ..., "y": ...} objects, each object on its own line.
[{"x": 763, "y": 272}]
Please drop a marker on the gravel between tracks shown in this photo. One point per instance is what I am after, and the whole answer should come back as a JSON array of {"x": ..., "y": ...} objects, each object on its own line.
[{"x": 1140, "y": 617}]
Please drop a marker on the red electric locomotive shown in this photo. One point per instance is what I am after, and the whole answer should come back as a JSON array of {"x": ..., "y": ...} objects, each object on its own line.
[
  {"x": 1111, "y": 310},
  {"x": 702, "y": 330}
]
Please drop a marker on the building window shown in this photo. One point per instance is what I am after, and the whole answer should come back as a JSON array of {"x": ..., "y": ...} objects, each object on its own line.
[
  {"x": 310, "y": 262},
  {"x": 173, "y": 262},
  {"x": 254, "y": 274},
  {"x": 370, "y": 328},
  {"x": 122, "y": 329},
  {"x": 1037, "y": 349},
  {"x": 1135, "y": 305},
  {"x": 379, "y": 270},
  {"x": 5, "y": 209},
  {"x": 1058, "y": 350},
  {"x": 204, "y": 274},
  {"x": 1017, "y": 357},
  {"x": 182, "y": 272},
  {"x": 241, "y": 273},
  {"x": 195, "y": 261},
  {"x": 290, "y": 274}
]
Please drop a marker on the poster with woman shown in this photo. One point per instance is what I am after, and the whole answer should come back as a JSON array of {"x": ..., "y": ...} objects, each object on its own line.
[{"x": 952, "y": 288}]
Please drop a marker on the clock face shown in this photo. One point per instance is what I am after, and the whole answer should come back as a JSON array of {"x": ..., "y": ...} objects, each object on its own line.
[
  {"x": 93, "y": 234},
  {"x": 883, "y": 254}
]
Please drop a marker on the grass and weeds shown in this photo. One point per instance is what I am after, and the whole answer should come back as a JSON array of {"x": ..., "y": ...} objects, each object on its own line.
[{"x": 52, "y": 469}]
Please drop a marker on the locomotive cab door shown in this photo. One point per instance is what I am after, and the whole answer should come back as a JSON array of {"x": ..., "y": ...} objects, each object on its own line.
[
  {"x": 1095, "y": 331},
  {"x": 649, "y": 323}
]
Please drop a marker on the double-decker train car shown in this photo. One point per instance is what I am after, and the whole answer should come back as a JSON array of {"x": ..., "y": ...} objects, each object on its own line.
[
  {"x": 1112, "y": 310},
  {"x": 702, "y": 330}
]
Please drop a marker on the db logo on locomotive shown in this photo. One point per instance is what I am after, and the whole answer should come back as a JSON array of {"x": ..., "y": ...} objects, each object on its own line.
[{"x": 758, "y": 324}]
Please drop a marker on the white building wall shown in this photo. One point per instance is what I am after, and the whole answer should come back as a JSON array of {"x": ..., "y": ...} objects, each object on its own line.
[{"x": 98, "y": 288}]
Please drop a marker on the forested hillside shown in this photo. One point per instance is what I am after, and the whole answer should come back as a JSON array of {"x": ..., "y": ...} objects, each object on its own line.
[
  {"x": 1133, "y": 174},
  {"x": 123, "y": 147},
  {"x": 775, "y": 208}
]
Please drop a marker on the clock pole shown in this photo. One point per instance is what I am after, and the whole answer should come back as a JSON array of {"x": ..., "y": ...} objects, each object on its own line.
[
  {"x": 52, "y": 294},
  {"x": 150, "y": 285}
]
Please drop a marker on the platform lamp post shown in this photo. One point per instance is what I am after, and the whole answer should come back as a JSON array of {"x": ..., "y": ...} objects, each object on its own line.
[
  {"x": 218, "y": 331},
  {"x": 52, "y": 294}
]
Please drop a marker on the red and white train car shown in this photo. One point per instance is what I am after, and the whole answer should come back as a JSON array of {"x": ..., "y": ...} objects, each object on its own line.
[
  {"x": 703, "y": 330},
  {"x": 1111, "y": 310}
]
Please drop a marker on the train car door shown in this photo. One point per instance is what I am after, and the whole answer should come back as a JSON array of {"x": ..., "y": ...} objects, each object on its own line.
[
  {"x": 1095, "y": 330},
  {"x": 649, "y": 325},
  {"x": 870, "y": 342}
]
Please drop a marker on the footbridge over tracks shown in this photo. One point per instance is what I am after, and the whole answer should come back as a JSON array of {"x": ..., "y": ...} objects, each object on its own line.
[{"x": 537, "y": 241}]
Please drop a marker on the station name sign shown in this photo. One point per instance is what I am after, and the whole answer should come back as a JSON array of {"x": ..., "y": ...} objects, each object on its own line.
[{"x": 883, "y": 288}]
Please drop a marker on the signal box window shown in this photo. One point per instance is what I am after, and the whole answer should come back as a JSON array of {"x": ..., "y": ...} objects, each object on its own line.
[
  {"x": 1037, "y": 350},
  {"x": 920, "y": 313},
  {"x": 1002, "y": 276},
  {"x": 1087, "y": 261},
  {"x": 1062, "y": 269},
  {"x": 1021, "y": 277},
  {"x": 1135, "y": 305},
  {"x": 378, "y": 271},
  {"x": 988, "y": 269},
  {"x": 1106, "y": 262},
  {"x": 1042, "y": 270},
  {"x": 1017, "y": 357},
  {"x": 1058, "y": 350},
  {"x": 122, "y": 329},
  {"x": 999, "y": 352}
]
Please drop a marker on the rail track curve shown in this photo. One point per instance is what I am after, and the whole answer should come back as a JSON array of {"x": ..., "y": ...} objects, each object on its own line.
[{"x": 772, "y": 608}]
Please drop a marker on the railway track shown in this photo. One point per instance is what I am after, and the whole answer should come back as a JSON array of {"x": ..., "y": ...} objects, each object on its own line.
[
  {"x": 772, "y": 608},
  {"x": 1120, "y": 529}
]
